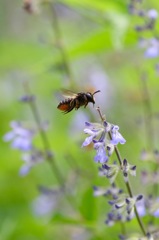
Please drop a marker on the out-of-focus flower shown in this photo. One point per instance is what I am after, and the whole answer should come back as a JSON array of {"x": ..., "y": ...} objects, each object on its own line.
[
  {"x": 152, "y": 50},
  {"x": 31, "y": 6},
  {"x": 112, "y": 217},
  {"x": 152, "y": 156},
  {"x": 112, "y": 191},
  {"x": 131, "y": 203},
  {"x": 152, "y": 13},
  {"x": 141, "y": 208},
  {"x": 118, "y": 212},
  {"x": 27, "y": 98},
  {"x": 46, "y": 202},
  {"x": 128, "y": 168},
  {"x": 111, "y": 171},
  {"x": 150, "y": 178},
  {"x": 151, "y": 45},
  {"x": 31, "y": 159},
  {"x": 123, "y": 206},
  {"x": 146, "y": 156},
  {"x": 20, "y": 136},
  {"x": 99, "y": 191},
  {"x": 154, "y": 207}
]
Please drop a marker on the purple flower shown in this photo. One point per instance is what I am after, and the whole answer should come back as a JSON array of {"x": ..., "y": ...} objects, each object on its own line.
[
  {"x": 101, "y": 153},
  {"x": 99, "y": 191},
  {"x": 98, "y": 135},
  {"x": 152, "y": 47},
  {"x": 152, "y": 50},
  {"x": 140, "y": 205},
  {"x": 88, "y": 140},
  {"x": 30, "y": 159},
  {"x": 94, "y": 130},
  {"x": 47, "y": 202},
  {"x": 21, "y": 137},
  {"x": 154, "y": 207},
  {"x": 111, "y": 171},
  {"x": 152, "y": 14},
  {"x": 131, "y": 202},
  {"x": 116, "y": 136}
]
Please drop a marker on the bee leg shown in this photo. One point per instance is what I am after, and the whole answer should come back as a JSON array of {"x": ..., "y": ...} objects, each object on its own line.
[
  {"x": 77, "y": 104},
  {"x": 71, "y": 107},
  {"x": 86, "y": 104}
]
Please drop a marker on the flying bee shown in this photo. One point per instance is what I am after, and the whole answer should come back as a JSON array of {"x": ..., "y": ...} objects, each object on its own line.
[{"x": 75, "y": 100}]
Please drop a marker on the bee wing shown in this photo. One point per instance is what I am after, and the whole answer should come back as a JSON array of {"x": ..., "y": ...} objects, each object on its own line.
[{"x": 69, "y": 94}]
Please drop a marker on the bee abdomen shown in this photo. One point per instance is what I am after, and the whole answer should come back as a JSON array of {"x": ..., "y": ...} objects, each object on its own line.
[
  {"x": 66, "y": 101},
  {"x": 66, "y": 105}
]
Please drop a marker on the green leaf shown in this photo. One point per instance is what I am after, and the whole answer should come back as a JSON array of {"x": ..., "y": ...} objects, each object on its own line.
[
  {"x": 58, "y": 218},
  {"x": 98, "y": 5},
  {"x": 88, "y": 206},
  {"x": 95, "y": 42}
]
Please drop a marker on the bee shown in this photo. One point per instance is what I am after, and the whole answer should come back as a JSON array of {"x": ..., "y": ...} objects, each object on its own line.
[{"x": 75, "y": 100}]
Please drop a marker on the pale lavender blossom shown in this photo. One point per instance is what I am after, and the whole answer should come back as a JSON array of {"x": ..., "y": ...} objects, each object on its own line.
[
  {"x": 152, "y": 50},
  {"x": 101, "y": 153},
  {"x": 131, "y": 203},
  {"x": 31, "y": 159},
  {"x": 99, "y": 191},
  {"x": 140, "y": 205},
  {"x": 98, "y": 135},
  {"x": 111, "y": 171},
  {"x": 46, "y": 202},
  {"x": 116, "y": 136},
  {"x": 128, "y": 169},
  {"x": 152, "y": 13},
  {"x": 20, "y": 137},
  {"x": 154, "y": 207},
  {"x": 112, "y": 191},
  {"x": 94, "y": 130}
]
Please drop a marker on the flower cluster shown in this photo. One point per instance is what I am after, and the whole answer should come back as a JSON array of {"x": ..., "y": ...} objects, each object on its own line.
[
  {"x": 112, "y": 191},
  {"x": 111, "y": 170},
  {"x": 149, "y": 16},
  {"x": 30, "y": 159},
  {"x": 98, "y": 135},
  {"x": 21, "y": 138},
  {"x": 148, "y": 19},
  {"x": 122, "y": 208}
]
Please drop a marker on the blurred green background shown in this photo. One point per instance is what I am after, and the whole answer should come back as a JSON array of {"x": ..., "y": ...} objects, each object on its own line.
[{"x": 78, "y": 45}]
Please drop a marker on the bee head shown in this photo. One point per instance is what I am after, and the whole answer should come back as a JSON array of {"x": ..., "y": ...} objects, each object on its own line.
[{"x": 90, "y": 96}]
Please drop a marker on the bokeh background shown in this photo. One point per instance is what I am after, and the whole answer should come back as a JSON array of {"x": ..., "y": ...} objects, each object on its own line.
[{"x": 77, "y": 45}]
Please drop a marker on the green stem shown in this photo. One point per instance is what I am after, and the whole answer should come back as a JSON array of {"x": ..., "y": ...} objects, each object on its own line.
[
  {"x": 129, "y": 189},
  {"x": 147, "y": 111},
  {"x": 44, "y": 138},
  {"x": 47, "y": 148},
  {"x": 60, "y": 45}
]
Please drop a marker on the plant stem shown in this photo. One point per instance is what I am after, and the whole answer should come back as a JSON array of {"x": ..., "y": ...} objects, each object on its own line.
[
  {"x": 60, "y": 45},
  {"x": 47, "y": 148},
  {"x": 129, "y": 189},
  {"x": 147, "y": 112},
  {"x": 45, "y": 141}
]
